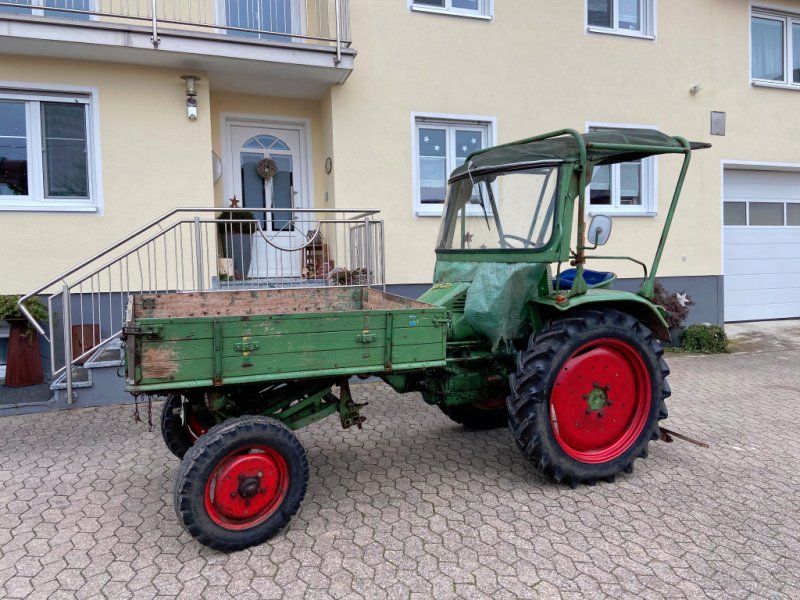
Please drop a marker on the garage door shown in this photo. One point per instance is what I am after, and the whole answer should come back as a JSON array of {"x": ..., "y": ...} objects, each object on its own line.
[{"x": 761, "y": 244}]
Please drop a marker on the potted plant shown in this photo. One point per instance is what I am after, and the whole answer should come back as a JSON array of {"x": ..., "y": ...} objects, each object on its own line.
[
  {"x": 24, "y": 365},
  {"x": 677, "y": 307},
  {"x": 236, "y": 238}
]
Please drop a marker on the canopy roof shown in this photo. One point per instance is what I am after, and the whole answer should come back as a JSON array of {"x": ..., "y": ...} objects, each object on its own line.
[{"x": 564, "y": 148}]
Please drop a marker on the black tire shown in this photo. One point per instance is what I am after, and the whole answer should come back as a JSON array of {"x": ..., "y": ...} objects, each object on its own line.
[
  {"x": 219, "y": 458},
  {"x": 588, "y": 338},
  {"x": 178, "y": 436},
  {"x": 480, "y": 417}
]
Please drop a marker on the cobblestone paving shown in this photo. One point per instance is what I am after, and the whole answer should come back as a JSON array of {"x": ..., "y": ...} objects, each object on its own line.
[{"x": 416, "y": 507}]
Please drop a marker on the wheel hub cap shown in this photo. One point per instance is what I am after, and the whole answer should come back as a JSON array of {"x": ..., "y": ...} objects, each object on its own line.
[{"x": 245, "y": 489}]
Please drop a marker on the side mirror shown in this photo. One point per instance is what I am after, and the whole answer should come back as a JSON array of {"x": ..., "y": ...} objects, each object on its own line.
[{"x": 599, "y": 230}]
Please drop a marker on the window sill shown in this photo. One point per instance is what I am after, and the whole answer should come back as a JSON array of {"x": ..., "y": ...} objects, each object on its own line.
[
  {"x": 49, "y": 209},
  {"x": 621, "y": 32},
  {"x": 452, "y": 13},
  {"x": 424, "y": 211},
  {"x": 615, "y": 214},
  {"x": 775, "y": 84}
]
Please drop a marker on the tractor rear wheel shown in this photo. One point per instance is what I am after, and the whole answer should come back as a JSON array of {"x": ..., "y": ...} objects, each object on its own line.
[
  {"x": 178, "y": 435},
  {"x": 491, "y": 414},
  {"x": 587, "y": 395},
  {"x": 241, "y": 483}
]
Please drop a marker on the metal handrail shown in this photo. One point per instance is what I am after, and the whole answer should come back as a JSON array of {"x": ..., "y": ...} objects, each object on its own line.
[
  {"x": 339, "y": 39},
  {"x": 358, "y": 213},
  {"x": 175, "y": 253}
]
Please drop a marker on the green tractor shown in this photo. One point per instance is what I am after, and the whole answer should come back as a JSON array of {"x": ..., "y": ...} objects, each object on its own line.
[
  {"x": 514, "y": 331},
  {"x": 575, "y": 368}
]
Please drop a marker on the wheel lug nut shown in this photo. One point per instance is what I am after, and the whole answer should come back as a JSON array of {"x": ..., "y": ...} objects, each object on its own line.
[
  {"x": 588, "y": 411},
  {"x": 599, "y": 415},
  {"x": 260, "y": 475},
  {"x": 233, "y": 494},
  {"x": 263, "y": 490},
  {"x": 247, "y": 502}
]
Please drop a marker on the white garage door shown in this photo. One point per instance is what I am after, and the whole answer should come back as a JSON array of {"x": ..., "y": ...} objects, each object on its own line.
[{"x": 761, "y": 244}]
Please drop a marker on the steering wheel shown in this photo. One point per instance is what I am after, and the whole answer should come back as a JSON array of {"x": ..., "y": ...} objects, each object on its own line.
[{"x": 526, "y": 243}]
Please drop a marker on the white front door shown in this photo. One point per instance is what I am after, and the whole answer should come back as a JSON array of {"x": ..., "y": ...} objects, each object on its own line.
[{"x": 276, "y": 247}]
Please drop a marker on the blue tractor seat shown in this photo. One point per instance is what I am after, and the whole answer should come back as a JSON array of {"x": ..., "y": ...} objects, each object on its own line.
[{"x": 594, "y": 279}]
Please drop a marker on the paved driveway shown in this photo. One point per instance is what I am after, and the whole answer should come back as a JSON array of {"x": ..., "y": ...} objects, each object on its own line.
[{"x": 415, "y": 507}]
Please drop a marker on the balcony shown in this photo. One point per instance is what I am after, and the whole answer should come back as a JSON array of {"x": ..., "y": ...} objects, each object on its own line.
[{"x": 282, "y": 47}]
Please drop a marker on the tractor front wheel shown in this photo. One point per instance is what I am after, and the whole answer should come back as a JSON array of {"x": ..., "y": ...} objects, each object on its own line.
[
  {"x": 241, "y": 483},
  {"x": 587, "y": 395}
]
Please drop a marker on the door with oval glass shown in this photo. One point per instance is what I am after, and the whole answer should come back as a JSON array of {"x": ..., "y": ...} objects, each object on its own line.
[{"x": 277, "y": 185}]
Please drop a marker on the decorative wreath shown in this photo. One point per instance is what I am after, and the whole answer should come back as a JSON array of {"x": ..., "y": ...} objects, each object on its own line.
[{"x": 266, "y": 168}]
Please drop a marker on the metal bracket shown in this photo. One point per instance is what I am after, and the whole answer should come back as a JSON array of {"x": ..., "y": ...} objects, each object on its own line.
[
  {"x": 365, "y": 337},
  {"x": 151, "y": 331},
  {"x": 148, "y": 303},
  {"x": 349, "y": 411},
  {"x": 246, "y": 346}
]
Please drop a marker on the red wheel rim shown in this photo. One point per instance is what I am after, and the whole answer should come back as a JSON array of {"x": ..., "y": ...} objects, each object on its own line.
[
  {"x": 246, "y": 487},
  {"x": 600, "y": 401},
  {"x": 194, "y": 427}
]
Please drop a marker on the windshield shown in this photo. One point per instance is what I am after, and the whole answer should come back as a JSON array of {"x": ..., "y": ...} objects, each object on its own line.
[{"x": 507, "y": 210}]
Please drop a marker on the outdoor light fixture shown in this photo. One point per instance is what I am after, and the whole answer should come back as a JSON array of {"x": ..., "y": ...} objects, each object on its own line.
[{"x": 191, "y": 96}]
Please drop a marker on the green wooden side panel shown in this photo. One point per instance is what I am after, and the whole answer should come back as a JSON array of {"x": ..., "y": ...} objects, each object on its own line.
[{"x": 268, "y": 346}]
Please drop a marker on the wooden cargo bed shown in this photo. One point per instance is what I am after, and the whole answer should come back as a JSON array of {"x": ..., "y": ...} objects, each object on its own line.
[{"x": 178, "y": 341}]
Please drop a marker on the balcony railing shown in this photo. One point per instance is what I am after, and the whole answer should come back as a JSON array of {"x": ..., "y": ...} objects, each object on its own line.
[{"x": 315, "y": 22}]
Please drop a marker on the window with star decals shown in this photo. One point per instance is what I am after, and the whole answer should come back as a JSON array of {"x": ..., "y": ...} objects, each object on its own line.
[{"x": 441, "y": 145}]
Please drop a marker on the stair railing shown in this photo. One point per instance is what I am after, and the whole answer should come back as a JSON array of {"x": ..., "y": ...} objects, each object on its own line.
[{"x": 201, "y": 250}]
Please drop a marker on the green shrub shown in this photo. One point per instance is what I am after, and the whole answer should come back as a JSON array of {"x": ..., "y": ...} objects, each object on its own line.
[
  {"x": 10, "y": 310},
  {"x": 706, "y": 339}
]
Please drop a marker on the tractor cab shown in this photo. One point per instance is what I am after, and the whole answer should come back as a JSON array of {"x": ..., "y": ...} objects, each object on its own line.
[{"x": 506, "y": 237}]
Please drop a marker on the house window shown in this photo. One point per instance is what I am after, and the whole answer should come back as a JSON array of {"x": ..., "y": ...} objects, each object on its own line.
[
  {"x": 623, "y": 17},
  {"x": 623, "y": 188},
  {"x": 464, "y": 8},
  {"x": 775, "y": 49},
  {"x": 266, "y": 17},
  {"x": 46, "y": 151},
  {"x": 39, "y": 7},
  {"x": 441, "y": 145}
]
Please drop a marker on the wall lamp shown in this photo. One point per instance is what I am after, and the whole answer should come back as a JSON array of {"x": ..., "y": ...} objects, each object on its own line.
[{"x": 191, "y": 96}]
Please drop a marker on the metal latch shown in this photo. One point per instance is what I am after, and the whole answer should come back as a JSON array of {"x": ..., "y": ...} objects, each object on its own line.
[
  {"x": 151, "y": 331},
  {"x": 246, "y": 346},
  {"x": 365, "y": 337}
]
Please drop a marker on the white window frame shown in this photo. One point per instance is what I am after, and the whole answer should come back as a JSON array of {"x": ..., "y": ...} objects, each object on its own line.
[
  {"x": 649, "y": 182},
  {"x": 788, "y": 19},
  {"x": 298, "y": 20},
  {"x": 33, "y": 95},
  {"x": 485, "y": 9},
  {"x": 487, "y": 126},
  {"x": 647, "y": 10},
  {"x": 38, "y": 7}
]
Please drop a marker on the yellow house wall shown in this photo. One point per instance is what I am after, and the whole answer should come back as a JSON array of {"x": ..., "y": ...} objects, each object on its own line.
[
  {"x": 153, "y": 159},
  {"x": 263, "y": 106},
  {"x": 534, "y": 68}
]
